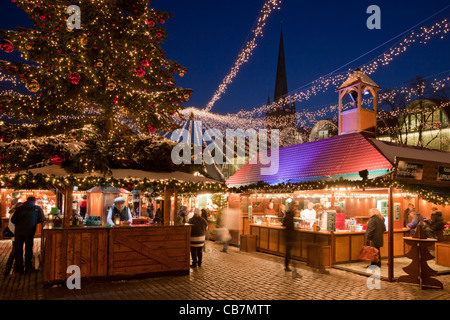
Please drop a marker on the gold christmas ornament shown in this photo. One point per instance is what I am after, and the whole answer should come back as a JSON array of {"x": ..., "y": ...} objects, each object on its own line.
[
  {"x": 69, "y": 29},
  {"x": 144, "y": 81},
  {"x": 181, "y": 74},
  {"x": 83, "y": 40},
  {"x": 33, "y": 86},
  {"x": 28, "y": 46},
  {"x": 110, "y": 85},
  {"x": 99, "y": 63},
  {"x": 186, "y": 96}
]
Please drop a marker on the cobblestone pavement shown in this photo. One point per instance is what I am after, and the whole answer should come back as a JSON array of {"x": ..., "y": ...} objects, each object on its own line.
[{"x": 224, "y": 276}]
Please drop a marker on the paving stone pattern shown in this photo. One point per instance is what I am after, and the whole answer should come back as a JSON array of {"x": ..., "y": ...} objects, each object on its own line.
[{"x": 223, "y": 276}]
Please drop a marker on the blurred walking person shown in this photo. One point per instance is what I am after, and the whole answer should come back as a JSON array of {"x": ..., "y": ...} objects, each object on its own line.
[
  {"x": 229, "y": 220},
  {"x": 9, "y": 232},
  {"x": 205, "y": 216},
  {"x": 289, "y": 237}
]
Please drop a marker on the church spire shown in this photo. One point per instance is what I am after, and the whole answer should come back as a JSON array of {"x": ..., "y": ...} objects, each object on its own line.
[
  {"x": 268, "y": 104},
  {"x": 281, "y": 88}
]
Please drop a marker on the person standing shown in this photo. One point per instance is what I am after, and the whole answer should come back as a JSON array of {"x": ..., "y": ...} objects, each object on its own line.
[
  {"x": 25, "y": 219},
  {"x": 406, "y": 217},
  {"x": 181, "y": 215},
  {"x": 435, "y": 224},
  {"x": 289, "y": 237},
  {"x": 159, "y": 218},
  {"x": 118, "y": 209},
  {"x": 198, "y": 231},
  {"x": 282, "y": 212},
  {"x": 83, "y": 206},
  {"x": 416, "y": 218},
  {"x": 375, "y": 231},
  {"x": 309, "y": 215}
]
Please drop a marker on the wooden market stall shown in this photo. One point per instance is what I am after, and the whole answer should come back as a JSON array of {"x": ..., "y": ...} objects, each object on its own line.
[
  {"x": 115, "y": 251},
  {"x": 344, "y": 177},
  {"x": 46, "y": 199},
  {"x": 104, "y": 252}
]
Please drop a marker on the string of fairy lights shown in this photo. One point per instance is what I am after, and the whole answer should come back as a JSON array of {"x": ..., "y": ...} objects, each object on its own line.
[
  {"x": 307, "y": 116},
  {"x": 422, "y": 36},
  {"x": 245, "y": 54},
  {"x": 255, "y": 118}
]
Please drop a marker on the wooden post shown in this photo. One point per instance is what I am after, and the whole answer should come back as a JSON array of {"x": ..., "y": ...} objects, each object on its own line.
[
  {"x": 332, "y": 200},
  {"x": 175, "y": 205},
  {"x": 68, "y": 199},
  {"x": 3, "y": 204},
  {"x": 390, "y": 235},
  {"x": 167, "y": 194}
]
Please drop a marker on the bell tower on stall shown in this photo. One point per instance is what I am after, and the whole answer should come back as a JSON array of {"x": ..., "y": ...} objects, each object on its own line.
[{"x": 359, "y": 114}]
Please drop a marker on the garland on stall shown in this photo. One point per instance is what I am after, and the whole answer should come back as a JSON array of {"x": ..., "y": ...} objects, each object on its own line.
[
  {"x": 39, "y": 181},
  {"x": 443, "y": 198}
]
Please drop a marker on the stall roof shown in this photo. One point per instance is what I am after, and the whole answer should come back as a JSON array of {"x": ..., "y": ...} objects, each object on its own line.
[
  {"x": 59, "y": 171},
  {"x": 176, "y": 175},
  {"x": 341, "y": 156},
  {"x": 330, "y": 159},
  {"x": 392, "y": 150}
]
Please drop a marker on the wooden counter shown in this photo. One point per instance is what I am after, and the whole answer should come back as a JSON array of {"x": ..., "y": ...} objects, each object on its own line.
[
  {"x": 103, "y": 252},
  {"x": 443, "y": 253},
  {"x": 344, "y": 246}
]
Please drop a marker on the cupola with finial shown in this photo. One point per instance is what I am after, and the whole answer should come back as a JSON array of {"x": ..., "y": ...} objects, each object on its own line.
[{"x": 356, "y": 117}]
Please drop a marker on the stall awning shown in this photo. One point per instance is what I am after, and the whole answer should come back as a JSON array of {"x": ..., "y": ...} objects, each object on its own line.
[
  {"x": 330, "y": 159},
  {"x": 176, "y": 175},
  {"x": 58, "y": 171},
  {"x": 391, "y": 150}
]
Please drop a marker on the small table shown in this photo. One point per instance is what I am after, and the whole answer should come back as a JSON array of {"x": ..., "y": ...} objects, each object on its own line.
[{"x": 419, "y": 272}]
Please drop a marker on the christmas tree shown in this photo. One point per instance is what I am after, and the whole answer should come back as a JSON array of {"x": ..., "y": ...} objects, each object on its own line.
[{"x": 99, "y": 95}]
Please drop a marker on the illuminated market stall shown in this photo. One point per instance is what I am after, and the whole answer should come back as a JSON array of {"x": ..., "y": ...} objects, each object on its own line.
[
  {"x": 342, "y": 177},
  {"x": 101, "y": 250}
]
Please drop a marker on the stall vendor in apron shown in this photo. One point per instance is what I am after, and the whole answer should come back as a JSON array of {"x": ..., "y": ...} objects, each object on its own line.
[{"x": 119, "y": 209}]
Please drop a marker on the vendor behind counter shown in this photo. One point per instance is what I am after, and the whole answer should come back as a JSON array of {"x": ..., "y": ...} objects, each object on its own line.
[{"x": 118, "y": 209}]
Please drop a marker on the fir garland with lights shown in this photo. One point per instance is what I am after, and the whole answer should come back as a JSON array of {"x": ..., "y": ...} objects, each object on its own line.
[
  {"x": 42, "y": 181},
  {"x": 345, "y": 185}
]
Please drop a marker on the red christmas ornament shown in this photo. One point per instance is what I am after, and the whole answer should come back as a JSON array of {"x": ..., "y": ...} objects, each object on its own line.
[
  {"x": 162, "y": 21},
  {"x": 151, "y": 23},
  {"x": 6, "y": 46},
  {"x": 140, "y": 72},
  {"x": 57, "y": 160},
  {"x": 159, "y": 35},
  {"x": 43, "y": 17},
  {"x": 74, "y": 78},
  {"x": 144, "y": 62},
  {"x": 151, "y": 129},
  {"x": 116, "y": 100}
]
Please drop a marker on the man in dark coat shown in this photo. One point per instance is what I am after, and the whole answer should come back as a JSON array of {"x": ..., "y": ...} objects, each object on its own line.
[
  {"x": 289, "y": 236},
  {"x": 435, "y": 224},
  {"x": 375, "y": 231},
  {"x": 25, "y": 219}
]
